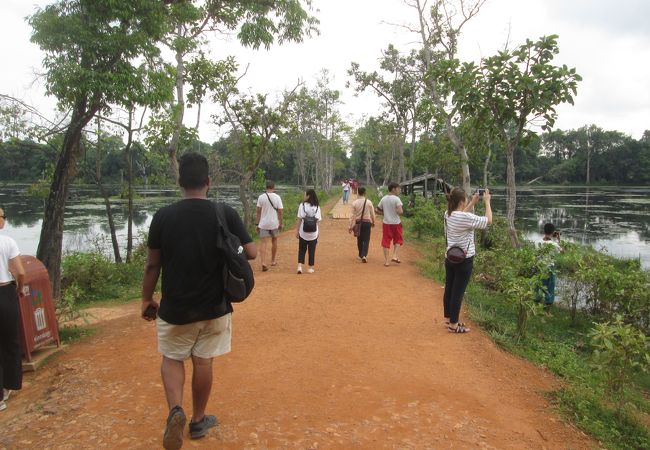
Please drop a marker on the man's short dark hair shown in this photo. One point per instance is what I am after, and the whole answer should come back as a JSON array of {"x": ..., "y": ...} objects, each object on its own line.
[
  {"x": 549, "y": 228},
  {"x": 270, "y": 184},
  {"x": 361, "y": 190},
  {"x": 192, "y": 171},
  {"x": 392, "y": 186}
]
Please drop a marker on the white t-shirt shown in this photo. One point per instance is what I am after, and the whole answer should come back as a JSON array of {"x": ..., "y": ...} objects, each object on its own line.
[
  {"x": 269, "y": 217},
  {"x": 346, "y": 186},
  {"x": 548, "y": 259},
  {"x": 389, "y": 204},
  {"x": 8, "y": 250},
  {"x": 306, "y": 209},
  {"x": 460, "y": 227}
]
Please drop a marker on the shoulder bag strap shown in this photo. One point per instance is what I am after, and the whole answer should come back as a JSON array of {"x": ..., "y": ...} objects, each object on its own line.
[
  {"x": 272, "y": 205},
  {"x": 469, "y": 241}
]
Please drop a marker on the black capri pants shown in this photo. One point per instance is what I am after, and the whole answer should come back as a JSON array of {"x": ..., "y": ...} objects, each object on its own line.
[
  {"x": 303, "y": 246},
  {"x": 456, "y": 280}
]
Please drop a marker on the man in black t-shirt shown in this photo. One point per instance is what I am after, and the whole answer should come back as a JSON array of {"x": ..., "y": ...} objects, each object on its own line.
[{"x": 193, "y": 320}]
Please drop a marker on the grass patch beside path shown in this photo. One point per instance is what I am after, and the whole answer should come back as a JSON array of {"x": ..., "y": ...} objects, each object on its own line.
[{"x": 76, "y": 333}]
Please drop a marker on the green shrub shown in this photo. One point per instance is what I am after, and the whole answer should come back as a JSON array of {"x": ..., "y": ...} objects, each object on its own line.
[
  {"x": 427, "y": 218},
  {"x": 89, "y": 272},
  {"x": 88, "y": 277},
  {"x": 619, "y": 351}
]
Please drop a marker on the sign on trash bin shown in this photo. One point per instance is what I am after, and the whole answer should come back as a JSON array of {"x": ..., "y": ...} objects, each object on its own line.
[{"x": 37, "y": 317}]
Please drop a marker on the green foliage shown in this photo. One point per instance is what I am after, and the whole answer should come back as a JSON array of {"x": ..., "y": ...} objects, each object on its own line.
[
  {"x": 72, "y": 334},
  {"x": 618, "y": 431},
  {"x": 620, "y": 351},
  {"x": 91, "y": 48},
  {"x": 89, "y": 277},
  {"x": 427, "y": 218}
]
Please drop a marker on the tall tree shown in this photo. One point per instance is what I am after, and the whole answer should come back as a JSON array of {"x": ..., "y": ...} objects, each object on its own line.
[
  {"x": 400, "y": 91},
  {"x": 513, "y": 91},
  {"x": 257, "y": 22},
  {"x": 439, "y": 27},
  {"x": 255, "y": 125},
  {"x": 90, "y": 53}
]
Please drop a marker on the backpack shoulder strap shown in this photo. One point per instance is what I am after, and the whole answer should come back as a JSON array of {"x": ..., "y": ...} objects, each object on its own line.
[{"x": 221, "y": 216}]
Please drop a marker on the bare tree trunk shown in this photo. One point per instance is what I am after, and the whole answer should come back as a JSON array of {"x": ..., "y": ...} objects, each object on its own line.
[
  {"x": 368, "y": 166},
  {"x": 105, "y": 196},
  {"x": 129, "y": 219},
  {"x": 588, "y": 160},
  {"x": 401, "y": 170},
  {"x": 464, "y": 158},
  {"x": 244, "y": 197},
  {"x": 51, "y": 239},
  {"x": 178, "y": 111},
  {"x": 412, "y": 155},
  {"x": 486, "y": 166},
  {"x": 111, "y": 222},
  {"x": 511, "y": 195}
]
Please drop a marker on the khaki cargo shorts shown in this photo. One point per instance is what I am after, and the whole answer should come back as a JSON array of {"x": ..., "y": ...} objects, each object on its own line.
[
  {"x": 269, "y": 233},
  {"x": 205, "y": 339}
]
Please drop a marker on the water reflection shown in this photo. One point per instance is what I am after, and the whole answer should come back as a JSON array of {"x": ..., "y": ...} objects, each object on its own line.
[
  {"x": 86, "y": 225},
  {"x": 616, "y": 219},
  {"x": 613, "y": 218}
]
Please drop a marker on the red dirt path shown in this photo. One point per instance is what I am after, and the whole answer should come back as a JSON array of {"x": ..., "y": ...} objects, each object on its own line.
[{"x": 353, "y": 356}]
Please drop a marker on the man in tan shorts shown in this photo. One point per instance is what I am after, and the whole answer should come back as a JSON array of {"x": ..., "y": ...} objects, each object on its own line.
[{"x": 193, "y": 319}]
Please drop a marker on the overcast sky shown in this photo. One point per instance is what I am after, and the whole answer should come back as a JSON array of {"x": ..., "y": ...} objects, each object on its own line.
[{"x": 608, "y": 42}]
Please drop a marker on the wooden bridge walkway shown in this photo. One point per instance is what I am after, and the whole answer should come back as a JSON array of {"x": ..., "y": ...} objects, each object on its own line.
[{"x": 341, "y": 211}]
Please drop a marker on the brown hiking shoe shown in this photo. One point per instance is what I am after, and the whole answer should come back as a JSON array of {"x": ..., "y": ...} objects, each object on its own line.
[{"x": 173, "y": 437}]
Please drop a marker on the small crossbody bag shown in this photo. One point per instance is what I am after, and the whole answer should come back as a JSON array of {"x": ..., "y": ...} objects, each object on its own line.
[
  {"x": 455, "y": 254},
  {"x": 356, "y": 228}
]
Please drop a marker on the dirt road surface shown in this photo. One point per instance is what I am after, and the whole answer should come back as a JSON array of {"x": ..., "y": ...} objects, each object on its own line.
[{"x": 354, "y": 356}]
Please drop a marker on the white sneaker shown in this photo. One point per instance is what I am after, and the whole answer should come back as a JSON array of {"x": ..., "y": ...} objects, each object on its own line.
[
  {"x": 310, "y": 270},
  {"x": 299, "y": 271},
  {"x": 5, "y": 394},
  {"x": 3, "y": 406}
]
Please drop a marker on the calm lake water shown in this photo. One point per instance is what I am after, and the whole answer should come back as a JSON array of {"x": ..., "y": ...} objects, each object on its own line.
[{"x": 615, "y": 219}]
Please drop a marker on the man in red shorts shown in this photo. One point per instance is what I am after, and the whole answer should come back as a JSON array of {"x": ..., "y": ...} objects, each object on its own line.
[{"x": 391, "y": 207}]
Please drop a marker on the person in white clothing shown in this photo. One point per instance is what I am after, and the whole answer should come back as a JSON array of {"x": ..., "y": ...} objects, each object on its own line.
[
  {"x": 12, "y": 275},
  {"x": 549, "y": 246},
  {"x": 269, "y": 223},
  {"x": 391, "y": 207},
  {"x": 346, "y": 191},
  {"x": 307, "y": 229}
]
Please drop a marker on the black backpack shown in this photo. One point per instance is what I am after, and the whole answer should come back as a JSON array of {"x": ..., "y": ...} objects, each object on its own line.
[
  {"x": 309, "y": 223},
  {"x": 238, "y": 278}
]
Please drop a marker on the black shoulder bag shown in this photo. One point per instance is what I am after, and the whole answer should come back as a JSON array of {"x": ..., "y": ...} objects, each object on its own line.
[
  {"x": 238, "y": 278},
  {"x": 356, "y": 228},
  {"x": 455, "y": 254}
]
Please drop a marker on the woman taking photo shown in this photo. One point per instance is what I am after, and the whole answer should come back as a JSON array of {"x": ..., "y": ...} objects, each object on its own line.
[
  {"x": 363, "y": 214},
  {"x": 307, "y": 229},
  {"x": 460, "y": 224},
  {"x": 12, "y": 275}
]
